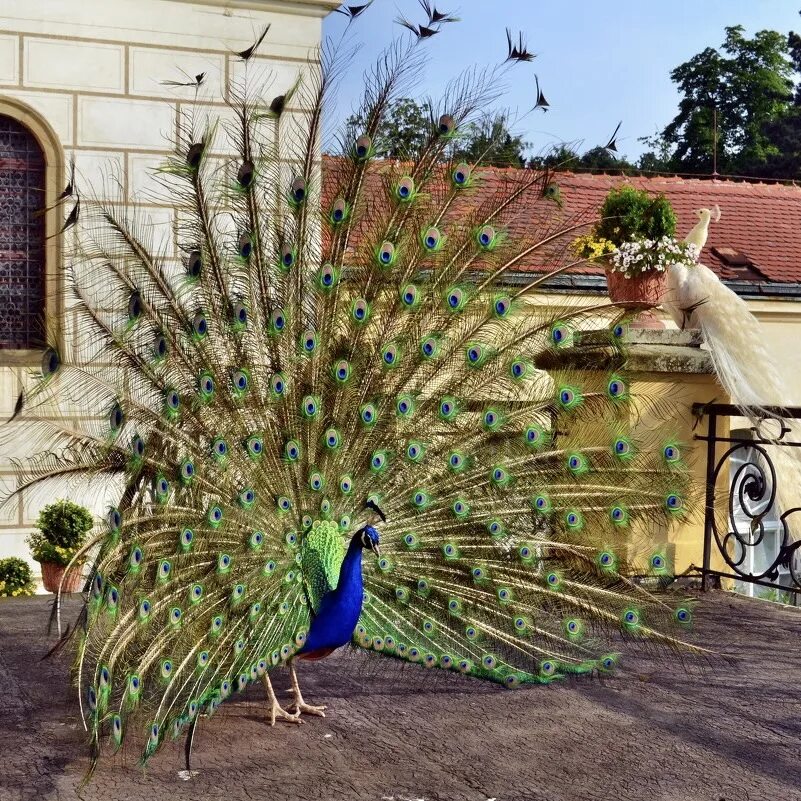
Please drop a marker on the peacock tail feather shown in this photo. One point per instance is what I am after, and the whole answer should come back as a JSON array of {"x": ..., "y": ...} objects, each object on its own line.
[{"x": 331, "y": 337}]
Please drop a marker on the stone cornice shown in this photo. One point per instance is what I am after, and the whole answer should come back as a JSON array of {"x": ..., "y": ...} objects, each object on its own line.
[{"x": 309, "y": 8}]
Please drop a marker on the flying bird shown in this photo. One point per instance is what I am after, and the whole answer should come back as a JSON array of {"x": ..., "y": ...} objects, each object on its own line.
[
  {"x": 420, "y": 31},
  {"x": 541, "y": 101},
  {"x": 435, "y": 16},
  {"x": 517, "y": 51},
  {"x": 72, "y": 218},
  {"x": 197, "y": 82},
  {"x": 611, "y": 145},
  {"x": 248, "y": 52},
  {"x": 68, "y": 191},
  {"x": 352, "y": 12}
]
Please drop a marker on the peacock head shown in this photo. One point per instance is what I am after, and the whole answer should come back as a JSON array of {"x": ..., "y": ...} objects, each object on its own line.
[
  {"x": 705, "y": 215},
  {"x": 370, "y": 538}
]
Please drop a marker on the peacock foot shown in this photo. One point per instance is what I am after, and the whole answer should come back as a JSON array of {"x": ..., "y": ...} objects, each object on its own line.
[
  {"x": 277, "y": 712},
  {"x": 300, "y": 707}
]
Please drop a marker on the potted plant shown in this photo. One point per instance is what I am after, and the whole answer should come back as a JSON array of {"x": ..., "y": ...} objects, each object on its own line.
[
  {"x": 15, "y": 578},
  {"x": 635, "y": 240},
  {"x": 63, "y": 526}
]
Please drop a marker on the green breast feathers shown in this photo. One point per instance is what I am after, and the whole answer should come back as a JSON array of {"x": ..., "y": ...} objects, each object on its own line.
[{"x": 322, "y": 552}]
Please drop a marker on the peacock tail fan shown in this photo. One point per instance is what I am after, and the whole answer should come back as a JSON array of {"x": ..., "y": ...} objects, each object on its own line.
[{"x": 330, "y": 336}]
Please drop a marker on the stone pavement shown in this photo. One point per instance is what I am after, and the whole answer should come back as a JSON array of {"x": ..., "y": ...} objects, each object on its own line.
[{"x": 657, "y": 731}]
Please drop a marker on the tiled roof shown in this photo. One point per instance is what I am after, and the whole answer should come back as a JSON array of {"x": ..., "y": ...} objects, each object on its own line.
[{"x": 760, "y": 221}]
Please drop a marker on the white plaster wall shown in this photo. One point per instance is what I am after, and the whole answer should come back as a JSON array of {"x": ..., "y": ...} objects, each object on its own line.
[{"x": 93, "y": 70}]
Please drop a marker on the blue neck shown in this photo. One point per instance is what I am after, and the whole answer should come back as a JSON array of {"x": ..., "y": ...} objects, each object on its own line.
[
  {"x": 350, "y": 572},
  {"x": 339, "y": 610}
]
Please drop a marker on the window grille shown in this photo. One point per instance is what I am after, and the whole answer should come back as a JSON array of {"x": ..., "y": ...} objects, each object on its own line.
[{"x": 22, "y": 237}]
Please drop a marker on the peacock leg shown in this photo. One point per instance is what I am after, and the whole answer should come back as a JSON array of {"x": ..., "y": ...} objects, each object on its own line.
[
  {"x": 298, "y": 704},
  {"x": 276, "y": 710}
]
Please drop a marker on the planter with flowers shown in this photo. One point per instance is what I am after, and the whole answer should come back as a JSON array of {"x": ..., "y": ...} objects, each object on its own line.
[
  {"x": 15, "y": 578},
  {"x": 635, "y": 241},
  {"x": 63, "y": 527}
]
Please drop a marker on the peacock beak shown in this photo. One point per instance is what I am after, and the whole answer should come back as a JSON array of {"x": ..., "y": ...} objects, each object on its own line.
[{"x": 377, "y": 551}]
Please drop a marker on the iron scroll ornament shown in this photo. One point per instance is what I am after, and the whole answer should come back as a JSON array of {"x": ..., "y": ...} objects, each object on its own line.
[{"x": 752, "y": 492}]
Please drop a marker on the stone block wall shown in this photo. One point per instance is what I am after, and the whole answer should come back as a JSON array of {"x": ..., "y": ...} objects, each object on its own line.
[{"x": 87, "y": 79}]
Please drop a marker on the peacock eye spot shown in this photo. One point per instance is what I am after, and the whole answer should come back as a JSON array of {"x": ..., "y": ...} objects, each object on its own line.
[
  {"x": 453, "y": 300},
  {"x": 566, "y": 396},
  {"x": 618, "y": 330}
]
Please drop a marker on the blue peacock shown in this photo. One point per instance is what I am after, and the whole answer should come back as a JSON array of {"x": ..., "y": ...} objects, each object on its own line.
[{"x": 332, "y": 423}]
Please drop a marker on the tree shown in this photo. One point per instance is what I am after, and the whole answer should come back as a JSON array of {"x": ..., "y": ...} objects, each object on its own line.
[
  {"x": 729, "y": 98},
  {"x": 599, "y": 159},
  {"x": 596, "y": 159},
  {"x": 402, "y": 132},
  {"x": 785, "y": 132},
  {"x": 491, "y": 142},
  {"x": 407, "y": 124}
]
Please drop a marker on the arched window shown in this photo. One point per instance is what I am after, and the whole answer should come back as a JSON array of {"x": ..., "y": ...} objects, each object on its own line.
[{"x": 22, "y": 237}]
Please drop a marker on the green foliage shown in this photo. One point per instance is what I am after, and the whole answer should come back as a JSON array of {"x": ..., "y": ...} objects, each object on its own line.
[
  {"x": 62, "y": 531},
  {"x": 491, "y": 142},
  {"x": 628, "y": 213},
  {"x": 742, "y": 88},
  {"x": 15, "y": 578},
  {"x": 595, "y": 160},
  {"x": 403, "y": 131},
  {"x": 407, "y": 125}
]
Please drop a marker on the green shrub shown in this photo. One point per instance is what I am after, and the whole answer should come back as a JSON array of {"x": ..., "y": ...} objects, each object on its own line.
[
  {"x": 15, "y": 578},
  {"x": 628, "y": 214},
  {"x": 62, "y": 531}
]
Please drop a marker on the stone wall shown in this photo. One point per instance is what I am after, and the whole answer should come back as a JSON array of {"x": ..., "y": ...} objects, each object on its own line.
[{"x": 87, "y": 79}]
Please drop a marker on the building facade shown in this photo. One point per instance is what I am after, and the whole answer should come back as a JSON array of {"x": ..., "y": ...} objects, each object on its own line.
[{"x": 98, "y": 82}]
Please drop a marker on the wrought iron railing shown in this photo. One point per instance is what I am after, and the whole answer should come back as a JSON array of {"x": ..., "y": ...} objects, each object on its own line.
[{"x": 755, "y": 542}]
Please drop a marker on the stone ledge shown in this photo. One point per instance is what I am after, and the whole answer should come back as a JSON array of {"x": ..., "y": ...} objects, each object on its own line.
[{"x": 645, "y": 351}]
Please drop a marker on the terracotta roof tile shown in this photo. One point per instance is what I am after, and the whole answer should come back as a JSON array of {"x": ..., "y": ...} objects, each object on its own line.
[{"x": 760, "y": 220}]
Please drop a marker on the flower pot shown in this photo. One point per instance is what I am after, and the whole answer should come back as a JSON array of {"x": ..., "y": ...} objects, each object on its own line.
[
  {"x": 51, "y": 577},
  {"x": 639, "y": 294}
]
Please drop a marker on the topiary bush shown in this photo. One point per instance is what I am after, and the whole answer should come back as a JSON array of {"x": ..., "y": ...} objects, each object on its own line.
[
  {"x": 628, "y": 214},
  {"x": 63, "y": 526},
  {"x": 15, "y": 578}
]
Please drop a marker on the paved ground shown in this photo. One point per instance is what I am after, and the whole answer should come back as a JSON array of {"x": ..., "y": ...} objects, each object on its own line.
[{"x": 656, "y": 732}]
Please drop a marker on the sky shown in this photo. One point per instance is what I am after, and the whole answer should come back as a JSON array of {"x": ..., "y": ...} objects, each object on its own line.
[{"x": 597, "y": 62}]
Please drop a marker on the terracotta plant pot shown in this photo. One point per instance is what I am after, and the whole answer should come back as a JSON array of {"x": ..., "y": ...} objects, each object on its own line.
[
  {"x": 51, "y": 578},
  {"x": 640, "y": 293}
]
